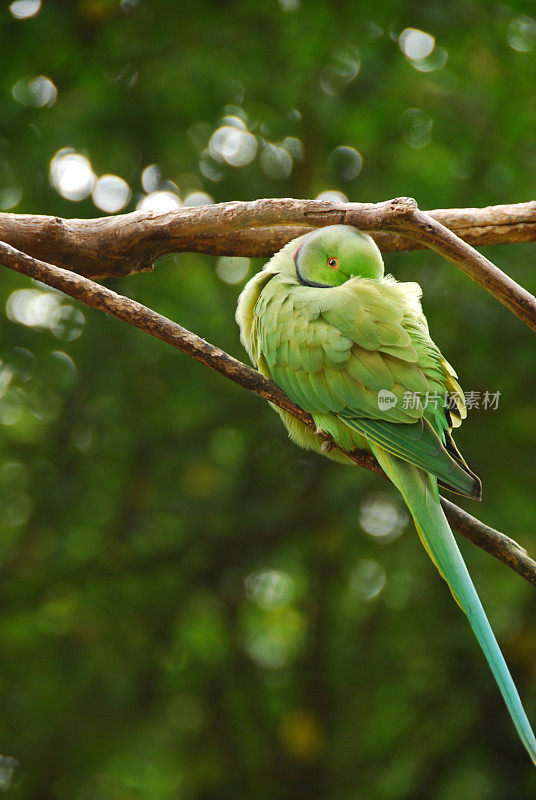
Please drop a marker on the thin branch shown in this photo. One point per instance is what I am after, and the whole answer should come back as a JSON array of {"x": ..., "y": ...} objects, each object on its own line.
[
  {"x": 120, "y": 245},
  {"x": 436, "y": 236},
  {"x": 103, "y": 299},
  {"x": 492, "y": 541}
]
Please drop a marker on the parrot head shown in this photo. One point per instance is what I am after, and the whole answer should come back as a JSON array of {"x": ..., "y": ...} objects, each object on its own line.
[{"x": 330, "y": 256}]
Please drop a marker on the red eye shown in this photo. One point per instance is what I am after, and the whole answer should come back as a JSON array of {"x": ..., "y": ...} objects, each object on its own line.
[{"x": 333, "y": 263}]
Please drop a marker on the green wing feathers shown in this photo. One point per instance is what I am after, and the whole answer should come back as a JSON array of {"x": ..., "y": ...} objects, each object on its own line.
[
  {"x": 333, "y": 351},
  {"x": 419, "y": 445}
]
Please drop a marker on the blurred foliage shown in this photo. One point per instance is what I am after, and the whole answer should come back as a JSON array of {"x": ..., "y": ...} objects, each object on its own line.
[{"x": 192, "y": 608}]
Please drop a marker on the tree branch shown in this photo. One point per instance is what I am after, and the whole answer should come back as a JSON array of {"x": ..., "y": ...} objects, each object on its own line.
[
  {"x": 120, "y": 245},
  {"x": 132, "y": 312},
  {"x": 436, "y": 236}
]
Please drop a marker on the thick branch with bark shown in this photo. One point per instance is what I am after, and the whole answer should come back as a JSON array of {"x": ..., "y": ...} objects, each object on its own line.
[
  {"x": 120, "y": 245},
  {"x": 91, "y": 294}
]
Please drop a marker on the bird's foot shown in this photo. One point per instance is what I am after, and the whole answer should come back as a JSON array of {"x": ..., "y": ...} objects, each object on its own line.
[{"x": 327, "y": 446}]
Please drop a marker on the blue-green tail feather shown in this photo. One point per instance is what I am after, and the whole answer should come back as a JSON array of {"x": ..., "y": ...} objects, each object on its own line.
[{"x": 420, "y": 493}]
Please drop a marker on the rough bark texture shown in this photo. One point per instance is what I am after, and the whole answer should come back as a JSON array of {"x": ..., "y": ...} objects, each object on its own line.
[{"x": 99, "y": 297}]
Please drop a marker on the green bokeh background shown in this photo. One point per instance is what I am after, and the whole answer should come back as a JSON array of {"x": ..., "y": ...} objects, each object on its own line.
[{"x": 190, "y": 607}]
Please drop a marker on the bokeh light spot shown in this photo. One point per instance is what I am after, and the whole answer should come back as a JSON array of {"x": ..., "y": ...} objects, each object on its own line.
[
  {"x": 64, "y": 359},
  {"x": 209, "y": 168},
  {"x": 111, "y": 193},
  {"x": 289, "y": 5},
  {"x": 236, "y": 119},
  {"x": 342, "y": 70},
  {"x": 521, "y": 35},
  {"x": 346, "y": 162},
  {"x": 198, "y": 199},
  {"x": 332, "y": 196},
  {"x": 417, "y": 128},
  {"x": 367, "y": 579},
  {"x": 7, "y": 763},
  {"x": 6, "y": 375},
  {"x": 151, "y": 178},
  {"x": 273, "y": 635},
  {"x": 22, "y": 362},
  {"x": 11, "y": 407},
  {"x": 68, "y": 323},
  {"x": 33, "y": 308},
  {"x": 24, "y": 9},
  {"x": 71, "y": 174},
  {"x": 232, "y": 269},
  {"x": 161, "y": 202},
  {"x": 416, "y": 44},
  {"x": 270, "y": 588},
  {"x": 381, "y": 518},
  {"x": 294, "y": 147},
  {"x": 39, "y": 92},
  {"x": 233, "y": 145},
  {"x": 276, "y": 162},
  {"x": 436, "y": 60},
  {"x": 268, "y": 651},
  {"x": 10, "y": 196}
]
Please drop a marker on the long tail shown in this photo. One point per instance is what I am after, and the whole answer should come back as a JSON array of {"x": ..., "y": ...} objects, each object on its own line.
[{"x": 419, "y": 490}]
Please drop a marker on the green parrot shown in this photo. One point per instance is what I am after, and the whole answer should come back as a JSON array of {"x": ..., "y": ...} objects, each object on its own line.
[{"x": 351, "y": 346}]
